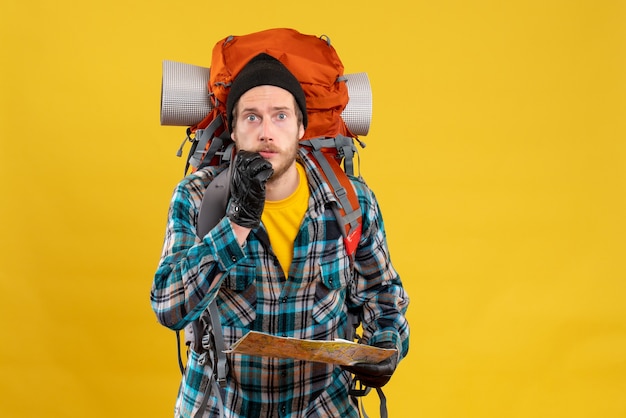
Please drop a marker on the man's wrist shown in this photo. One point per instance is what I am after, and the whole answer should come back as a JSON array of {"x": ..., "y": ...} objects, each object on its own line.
[{"x": 241, "y": 232}]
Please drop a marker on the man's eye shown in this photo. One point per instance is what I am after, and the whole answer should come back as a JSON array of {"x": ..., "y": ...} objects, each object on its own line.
[
  {"x": 282, "y": 116},
  {"x": 251, "y": 118}
]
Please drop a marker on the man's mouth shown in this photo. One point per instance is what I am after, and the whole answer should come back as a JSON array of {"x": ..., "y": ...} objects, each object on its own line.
[{"x": 267, "y": 153}]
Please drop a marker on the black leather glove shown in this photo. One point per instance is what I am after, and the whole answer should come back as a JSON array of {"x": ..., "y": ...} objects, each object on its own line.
[
  {"x": 378, "y": 374},
  {"x": 247, "y": 189}
]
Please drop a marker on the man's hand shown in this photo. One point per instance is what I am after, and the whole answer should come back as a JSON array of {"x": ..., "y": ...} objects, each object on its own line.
[
  {"x": 247, "y": 189},
  {"x": 375, "y": 375}
]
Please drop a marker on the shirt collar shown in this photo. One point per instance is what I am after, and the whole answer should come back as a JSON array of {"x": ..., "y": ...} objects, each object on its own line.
[{"x": 321, "y": 192}]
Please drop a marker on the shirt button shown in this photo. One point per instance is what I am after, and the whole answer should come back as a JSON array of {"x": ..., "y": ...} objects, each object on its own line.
[
  {"x": 284, "y": 300},
  {"x": 233, "y": 258}
]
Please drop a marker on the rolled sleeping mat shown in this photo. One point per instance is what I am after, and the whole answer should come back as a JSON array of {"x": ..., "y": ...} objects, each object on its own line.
[{"x": 185, "y": 100}]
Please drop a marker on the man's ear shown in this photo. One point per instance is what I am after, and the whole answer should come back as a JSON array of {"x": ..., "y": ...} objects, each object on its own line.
[{"x": 300, "y": 131}]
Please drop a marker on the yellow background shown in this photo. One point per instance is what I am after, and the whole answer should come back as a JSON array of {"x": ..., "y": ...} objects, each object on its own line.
[{"x": 497, "y": 151}]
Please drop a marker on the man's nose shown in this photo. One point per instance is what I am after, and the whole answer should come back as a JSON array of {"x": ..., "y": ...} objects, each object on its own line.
[{"x": 267, "y": 129}]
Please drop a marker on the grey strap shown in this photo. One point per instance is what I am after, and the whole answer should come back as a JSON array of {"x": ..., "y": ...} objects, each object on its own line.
[
  {"x": 211, "y": 385},
  {"x": 205, "y": 399},
  {"x": 212, "y": 209},
  {"x": 383, "y": 403},
  {"x": 345, "y": 146},
  {"x": 362, "y": 411},
  {"x": 214, "y": 202},
  {"x": 205, "y": 137},
  {"x": 220, "y": 347},
  {"x": 340, "y": 192},
  {"x": 319, "y": 143},
  {"x": 219, "y": 363}
]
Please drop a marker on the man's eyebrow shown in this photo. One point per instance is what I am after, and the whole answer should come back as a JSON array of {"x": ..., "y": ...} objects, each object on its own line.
[
  {"x": 284, "y": 109},
  {"x": 256, "y": 109}
]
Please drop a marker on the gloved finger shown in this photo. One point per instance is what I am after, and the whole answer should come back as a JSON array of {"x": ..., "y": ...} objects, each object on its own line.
[
  {"x": 258, "y": 165},
  {"x": 245, "y": 158},
  {"x": 263, "y": 175},
  {"x": 375, "y": 382},
  {"x": 370, "y": 369}
]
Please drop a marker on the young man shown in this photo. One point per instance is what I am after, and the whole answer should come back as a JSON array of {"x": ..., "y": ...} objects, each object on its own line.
[{"x": 276, "y": 263}]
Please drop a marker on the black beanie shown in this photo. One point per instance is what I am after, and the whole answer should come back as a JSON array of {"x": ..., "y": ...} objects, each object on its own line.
[{"x": 264, "y": 70}]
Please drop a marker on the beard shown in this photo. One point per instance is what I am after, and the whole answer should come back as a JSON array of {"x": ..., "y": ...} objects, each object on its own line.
[{"x": 281, "y": 165}]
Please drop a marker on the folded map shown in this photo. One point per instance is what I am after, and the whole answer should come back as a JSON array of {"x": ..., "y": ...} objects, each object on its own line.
[{"x": 341, "y": 352}]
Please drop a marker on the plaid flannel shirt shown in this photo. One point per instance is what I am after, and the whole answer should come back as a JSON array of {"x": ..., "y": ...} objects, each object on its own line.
[{"x": 253, "y": 294}]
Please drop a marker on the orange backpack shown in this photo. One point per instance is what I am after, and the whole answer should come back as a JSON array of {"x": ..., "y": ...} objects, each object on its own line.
[
  {"x": 315, "y": 63},
  {"x": 312, "y": 60}
]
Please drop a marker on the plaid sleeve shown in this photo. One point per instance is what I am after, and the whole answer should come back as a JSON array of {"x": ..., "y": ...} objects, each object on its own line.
[
  {"x": 185, "y": 280},
  {"x": 378, "y": 286}
]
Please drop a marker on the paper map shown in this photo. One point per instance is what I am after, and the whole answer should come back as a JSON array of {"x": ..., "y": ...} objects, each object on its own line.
[{"x": 341, "y": 352}]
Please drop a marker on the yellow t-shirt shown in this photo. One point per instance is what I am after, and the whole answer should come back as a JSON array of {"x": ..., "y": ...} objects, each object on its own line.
[{"x": 282, "y": 219}]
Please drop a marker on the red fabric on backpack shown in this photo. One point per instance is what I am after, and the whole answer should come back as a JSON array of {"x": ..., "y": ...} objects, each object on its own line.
[{"x": 312, "y": 60}]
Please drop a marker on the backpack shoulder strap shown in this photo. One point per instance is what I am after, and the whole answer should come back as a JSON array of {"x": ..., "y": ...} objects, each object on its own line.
[
  {"x": 214, "y": 203},
  {"x": 348, "y": 212},
  {"x": 212, "y": 209}
]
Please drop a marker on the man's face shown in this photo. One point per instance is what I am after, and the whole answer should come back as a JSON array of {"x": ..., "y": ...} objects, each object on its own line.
[{"x": 265, "y": 121}]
